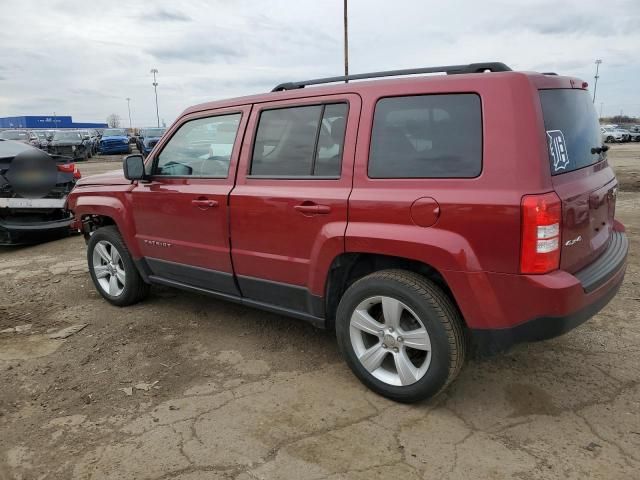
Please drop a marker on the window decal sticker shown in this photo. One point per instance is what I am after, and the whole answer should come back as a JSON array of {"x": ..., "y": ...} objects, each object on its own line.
[{"x": 558, "y": 150}]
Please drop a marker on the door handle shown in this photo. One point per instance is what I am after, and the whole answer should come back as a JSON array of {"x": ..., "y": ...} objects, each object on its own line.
[
  {"x": 204, "y": 203},
  {"x": 313, "y": 209}
]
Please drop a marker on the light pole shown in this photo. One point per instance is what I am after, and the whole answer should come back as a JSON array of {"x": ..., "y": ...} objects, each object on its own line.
[
  {"x": 595, "y": 85},
  {"x": 601, "y": 105},
  {"x": 155, "y": 89},
  {"x": 129, "y": 108},
  {"x": 346, "y": 43}
]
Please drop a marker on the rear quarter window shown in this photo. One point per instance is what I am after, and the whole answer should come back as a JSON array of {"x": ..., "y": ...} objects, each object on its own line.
[
  {"x": 572, "y": 129},
  {"x": 427, "y": 136}
]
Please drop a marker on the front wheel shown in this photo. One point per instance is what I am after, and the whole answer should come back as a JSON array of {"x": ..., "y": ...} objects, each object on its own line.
[
  {"x": 112, "y": 269},
  {"x": 401, "y": 335}
]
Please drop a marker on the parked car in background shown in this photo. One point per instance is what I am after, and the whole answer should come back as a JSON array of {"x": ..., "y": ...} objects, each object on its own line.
[
  {"x": 70, "y": 143},
  {"x": 42, "y": 140},
  {"x": 148, "y": 138},
  {"x": 360, "y": 207},
  {"x": 92, "y": 137},
  {"x": 16, "y": 135},
  {"x": 114, "y": 141},
  {"x": 633, "y": 132},
  {"x": 33, "y": 190},
  {"x": 612, "y": 134}
]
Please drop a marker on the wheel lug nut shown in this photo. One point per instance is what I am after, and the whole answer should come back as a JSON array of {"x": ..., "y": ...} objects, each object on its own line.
[
  {"x": 400, "y": 339},
  {"x": 391, "y": 329},
  {"x": 384, "y": 345},
  {"x": 395, "y": 349}
]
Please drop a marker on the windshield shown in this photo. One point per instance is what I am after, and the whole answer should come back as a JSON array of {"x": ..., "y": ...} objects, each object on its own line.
[
  {"x": 153, "y": 132},
  {"x": 113, "y": 132},
  {"x": 66, "y": 136},
  {"x": 572, "y": 128},
  {"x": 14, "y": 135}
]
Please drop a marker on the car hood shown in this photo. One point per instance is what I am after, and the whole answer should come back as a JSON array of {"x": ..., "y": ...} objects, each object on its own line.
[
  {"x": 116, "y": 137},
  {"x": 114, "y": 177}
]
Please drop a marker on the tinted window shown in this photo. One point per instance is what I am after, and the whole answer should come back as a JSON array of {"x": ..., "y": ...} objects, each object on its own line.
[
  {"x": 200, "y": 148},
  {"x": 427, "y": 136},
  {"x": 572, "y": 128},
  {"x": 300, "y": 141}
]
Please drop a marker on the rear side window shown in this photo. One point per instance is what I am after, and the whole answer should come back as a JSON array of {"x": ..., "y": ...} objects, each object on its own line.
[
  {"x": 572, "y": 129},
  {"x": 427, "y": 136},
  {"x": 300, "y": 141}
]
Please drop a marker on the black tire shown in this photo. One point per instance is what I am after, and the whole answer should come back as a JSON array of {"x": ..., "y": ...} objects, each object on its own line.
[
  {"x": 435, "y": 310},
  {"x": 610, "y": 140},
  {"x": 135, "y": 289}
]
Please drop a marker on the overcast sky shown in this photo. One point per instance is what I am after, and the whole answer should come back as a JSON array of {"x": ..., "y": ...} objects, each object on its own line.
[{"x": 74, "y": 58}]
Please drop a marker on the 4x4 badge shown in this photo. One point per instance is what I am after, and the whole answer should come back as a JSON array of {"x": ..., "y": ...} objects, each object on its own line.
[{"x": 558, "y": 150}]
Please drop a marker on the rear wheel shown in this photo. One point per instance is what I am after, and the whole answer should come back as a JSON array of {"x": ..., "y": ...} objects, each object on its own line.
[
  {"x": 610, "y": 139},
  {"x": 401, "y": 335},
  {"x": 112, "y": 269}
]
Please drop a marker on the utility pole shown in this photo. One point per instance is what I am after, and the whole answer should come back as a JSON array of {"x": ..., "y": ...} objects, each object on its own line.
[
  {"x": 129, "y": 108},
  {"x": 595, "y": 85},
  {"x": 155, "y": 88},
  {"x": 346, "y": 42}
]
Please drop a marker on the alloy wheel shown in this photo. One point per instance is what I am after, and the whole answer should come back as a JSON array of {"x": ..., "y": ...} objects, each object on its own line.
[
  {"x": 108, "y": 268},
  {"x": 390, "y": 341}
]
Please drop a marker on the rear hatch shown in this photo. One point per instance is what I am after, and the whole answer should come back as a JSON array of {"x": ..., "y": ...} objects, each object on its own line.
[{"x": 581, "y": 177}]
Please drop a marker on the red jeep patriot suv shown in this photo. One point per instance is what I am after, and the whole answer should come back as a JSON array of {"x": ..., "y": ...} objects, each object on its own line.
[{"x": 416, "y": 216}]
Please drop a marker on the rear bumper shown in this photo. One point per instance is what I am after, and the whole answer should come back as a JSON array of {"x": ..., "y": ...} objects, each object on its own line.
[
  {"x": 502, "y": 309},
  {"x": 21, "y": 231}
]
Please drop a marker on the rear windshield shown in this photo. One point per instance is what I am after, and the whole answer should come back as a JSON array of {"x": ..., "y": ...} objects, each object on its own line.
[{"x": 572, "y": 128}]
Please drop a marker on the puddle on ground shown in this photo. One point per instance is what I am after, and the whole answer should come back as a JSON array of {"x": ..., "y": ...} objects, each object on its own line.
[
  {"x": 15, "y": 347},
  {"x": 529, "y": 400}
]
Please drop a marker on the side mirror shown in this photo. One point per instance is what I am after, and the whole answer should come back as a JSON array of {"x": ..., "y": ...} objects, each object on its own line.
[{"x": 133, "y": 166}]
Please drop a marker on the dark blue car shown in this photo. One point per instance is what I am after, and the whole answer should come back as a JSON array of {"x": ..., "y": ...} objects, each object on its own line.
[
  {"x": 148, "y": 139},
  {"x": 114, "y": 141}
]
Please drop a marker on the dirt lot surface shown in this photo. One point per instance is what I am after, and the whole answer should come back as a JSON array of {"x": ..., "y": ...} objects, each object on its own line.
[{"x": 186, "y": 387}]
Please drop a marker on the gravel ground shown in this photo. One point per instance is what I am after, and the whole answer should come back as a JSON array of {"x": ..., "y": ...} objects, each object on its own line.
[{"x": 186, "y": 387}]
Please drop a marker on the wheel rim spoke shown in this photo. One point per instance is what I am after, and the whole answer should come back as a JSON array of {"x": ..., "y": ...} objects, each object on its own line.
[
  {"x": 113, "y": 285},
  {"x": 372, "y": 358},
  {"x": 392, "y": 311},
  {"x": 120, "y": 275},
  {"x": 115, "y": 255},
  {"x": 102, "y": 251},
  {"x": 406, "y": 370},
  {"x": 101, "y": 271},
  {"x": 365, "y": 322},
  {"x": 418, "y": 339}
]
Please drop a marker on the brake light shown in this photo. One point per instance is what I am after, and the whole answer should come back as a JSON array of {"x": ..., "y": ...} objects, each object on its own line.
[
  {"x": 540, "y": 244},
  {"x": 70, "y": 168}
]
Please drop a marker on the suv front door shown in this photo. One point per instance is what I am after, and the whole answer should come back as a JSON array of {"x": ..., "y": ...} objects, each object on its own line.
[
  {"x": 181, "y": 215},
  {"x": 289, "y": 205}
]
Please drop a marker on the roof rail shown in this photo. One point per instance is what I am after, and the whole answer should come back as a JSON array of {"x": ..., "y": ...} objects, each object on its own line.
[{"x": 448, "y": 69}]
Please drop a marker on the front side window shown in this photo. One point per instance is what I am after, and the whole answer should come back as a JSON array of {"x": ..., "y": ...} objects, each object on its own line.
[
  {"x": 200, "y": 148},
  {"x": 300, "y": 141},
  {"x": 427, "y": 136}
]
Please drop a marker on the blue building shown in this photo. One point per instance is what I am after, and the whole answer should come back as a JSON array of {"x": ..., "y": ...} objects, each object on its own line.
[{"x": 49, "y": 122}]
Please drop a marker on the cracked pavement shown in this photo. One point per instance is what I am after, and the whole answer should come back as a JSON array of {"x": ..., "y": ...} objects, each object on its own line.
[{"x": 243, "y": 394}]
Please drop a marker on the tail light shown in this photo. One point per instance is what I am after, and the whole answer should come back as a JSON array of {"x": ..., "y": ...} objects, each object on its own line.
[
  {"x": 540, "y": 245},
  {"x": 70, "y": 168}
]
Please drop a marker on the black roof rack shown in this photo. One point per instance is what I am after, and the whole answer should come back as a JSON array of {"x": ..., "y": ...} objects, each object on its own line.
[{"x": 448, "y": 69}]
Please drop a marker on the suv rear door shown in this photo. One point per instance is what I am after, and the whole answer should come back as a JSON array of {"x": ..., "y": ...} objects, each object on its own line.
[
  {"x": 181, "y": 215},
  {"x": 581, "y": 177},
  {"x": 289, "y": 205}
]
